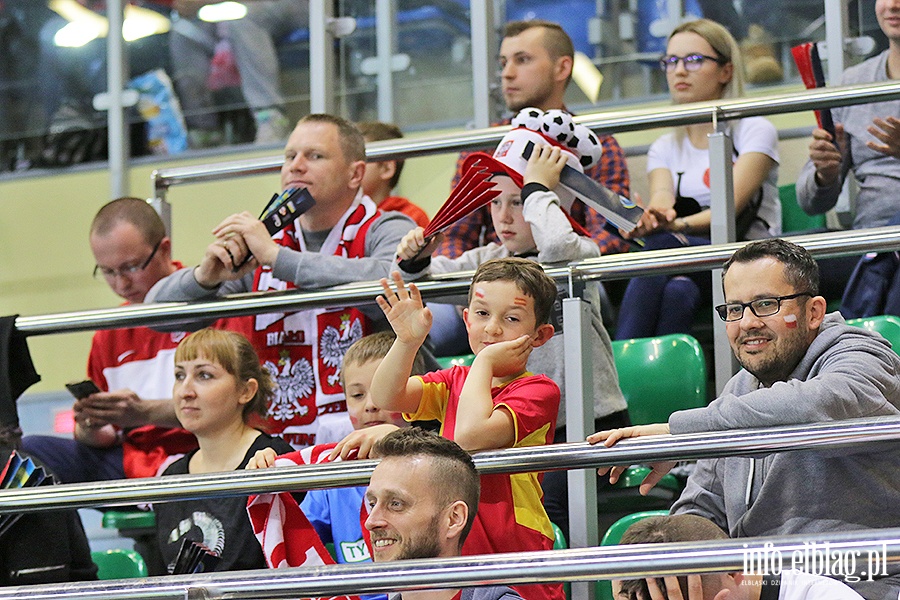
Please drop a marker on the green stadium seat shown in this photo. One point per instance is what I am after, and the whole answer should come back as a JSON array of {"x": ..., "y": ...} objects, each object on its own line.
[
  {"x": 129, "y": 519},
  {"x": 793, "y": 219},
  {"x": 887, "y": 325},
  {"x": 657, "y": 376},
  {"x": 660, "y": 375},
  {"x": 139, "y": 525},
  {"x": 559, "y": 540},
  {"x": 613, "y": 536},
  {"x": 559, "y": 543},
  {"x": 119, "y": 564}
]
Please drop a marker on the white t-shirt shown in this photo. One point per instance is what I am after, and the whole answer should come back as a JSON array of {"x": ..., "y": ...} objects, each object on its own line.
[
  {"x": 797, "y": 585},
  {"x": 753, "y": 134}
]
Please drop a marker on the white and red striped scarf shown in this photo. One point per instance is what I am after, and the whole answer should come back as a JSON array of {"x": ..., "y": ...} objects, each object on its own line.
[{"x": 286, "y": 536}]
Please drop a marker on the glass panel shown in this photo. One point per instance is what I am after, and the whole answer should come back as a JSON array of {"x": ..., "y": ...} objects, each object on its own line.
[{"x": 46, "y": 116}]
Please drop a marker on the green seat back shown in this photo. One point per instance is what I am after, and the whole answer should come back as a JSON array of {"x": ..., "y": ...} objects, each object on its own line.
[
  {"x": 119, "y": 564},
  {"x": 559, "y": 540},
  {"x": 660, "y": 375},
  {"x": 792, "y": 216},
  {"x": 129, "y": 519},
  {"x": 463, "y": 360},
  {"x": 613, "y": 536},
  {"x": 886, "y": 325}
]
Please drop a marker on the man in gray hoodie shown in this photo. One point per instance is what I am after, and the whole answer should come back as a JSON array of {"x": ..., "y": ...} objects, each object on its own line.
[{"x": 799, "y": 366}]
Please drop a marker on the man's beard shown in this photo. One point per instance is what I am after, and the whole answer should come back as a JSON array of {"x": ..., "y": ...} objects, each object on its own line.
[
  {"x": 424, "y": 545},
  {"x": 779, "y": 365}
]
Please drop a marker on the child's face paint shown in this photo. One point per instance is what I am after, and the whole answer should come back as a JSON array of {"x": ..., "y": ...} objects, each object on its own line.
[
  {"x": 790, "y": 321},
  {"x": 499, "y": 312}
]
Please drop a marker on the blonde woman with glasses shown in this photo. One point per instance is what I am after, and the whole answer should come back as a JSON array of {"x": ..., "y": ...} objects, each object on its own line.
[{"x": 702, "y": 63}]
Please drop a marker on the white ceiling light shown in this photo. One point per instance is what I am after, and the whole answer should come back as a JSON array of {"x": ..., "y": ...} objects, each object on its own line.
[
  {"x": 85, "y": 25},
  {"x": 222, "y": 11}
]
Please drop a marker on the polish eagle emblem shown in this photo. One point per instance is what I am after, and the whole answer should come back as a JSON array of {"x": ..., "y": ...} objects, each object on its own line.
[
  {"x": 293, "y": 381},
  {"x": 333, "y": 344}
]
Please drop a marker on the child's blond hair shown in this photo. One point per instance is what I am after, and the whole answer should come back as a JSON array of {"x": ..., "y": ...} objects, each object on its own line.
[{"x": 375, "y": 347}]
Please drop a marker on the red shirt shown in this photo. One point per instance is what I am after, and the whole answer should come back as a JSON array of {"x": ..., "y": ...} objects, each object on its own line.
[
  {"x": 510, "y": 515},
  {"x": 402, "y": 205}
]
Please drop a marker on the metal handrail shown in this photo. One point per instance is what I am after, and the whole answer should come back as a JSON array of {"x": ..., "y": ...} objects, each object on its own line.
[
  {"x": 606, "y": 122},
  {"x": 586, "y": 564},
  {"x": 748, "y": 442},
  {"x": 616, "y": 266}
]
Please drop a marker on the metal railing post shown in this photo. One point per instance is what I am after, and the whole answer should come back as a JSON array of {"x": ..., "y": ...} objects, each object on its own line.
[
  {"x": 721, "y": 231},
  {"x": 484, "y": 52},
  {"x": 386, "y": 46},
  {"x": 116, "y": 69},
  {"x": 836, "y": 31},
  {"x": 583, "y": 521},
  {"x": 321, "y": 57}
]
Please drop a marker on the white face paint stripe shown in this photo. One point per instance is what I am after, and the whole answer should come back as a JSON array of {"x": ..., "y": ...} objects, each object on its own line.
[
  {"x": 790, "y": 321},
  {"x": 479, "y": 292}
]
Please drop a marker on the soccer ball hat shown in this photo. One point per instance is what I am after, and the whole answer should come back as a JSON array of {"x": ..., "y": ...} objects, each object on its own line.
[{"x": 554, "y": 127}]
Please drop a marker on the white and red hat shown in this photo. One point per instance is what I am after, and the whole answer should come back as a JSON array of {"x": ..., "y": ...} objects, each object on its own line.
[{"x": 554, "y": 127}]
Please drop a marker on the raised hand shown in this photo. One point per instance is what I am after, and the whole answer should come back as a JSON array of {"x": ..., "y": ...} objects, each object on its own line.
[
  {"x": 888, "y": 132},
  {"x": 545, "y": 165},
  {"x": 405, "y": 311}
]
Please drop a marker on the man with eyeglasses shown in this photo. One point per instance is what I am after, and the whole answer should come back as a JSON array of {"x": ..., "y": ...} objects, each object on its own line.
[
  {"x": 129, "y": 428},
  {"x": 800, "y": 365}
]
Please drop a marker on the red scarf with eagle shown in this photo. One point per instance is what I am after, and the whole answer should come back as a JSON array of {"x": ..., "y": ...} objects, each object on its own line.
[{"x": 304, "y": 351}]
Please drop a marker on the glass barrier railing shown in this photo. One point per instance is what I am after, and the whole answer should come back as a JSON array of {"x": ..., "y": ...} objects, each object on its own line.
[{"x": 196, "y": 82}]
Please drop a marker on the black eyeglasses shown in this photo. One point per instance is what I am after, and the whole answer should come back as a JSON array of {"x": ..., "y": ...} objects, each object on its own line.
[
  {"x": 761, "y": 307},
  {"x": 692, "y": 62},
  {"x": 125, "y": 271}
]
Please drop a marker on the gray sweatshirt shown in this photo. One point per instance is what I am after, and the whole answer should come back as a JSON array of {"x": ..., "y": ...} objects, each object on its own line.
[
  {"x": 878, "y": 174},
  {"x": 556, "y": 242},
  {"x": 846, "y": 373}
]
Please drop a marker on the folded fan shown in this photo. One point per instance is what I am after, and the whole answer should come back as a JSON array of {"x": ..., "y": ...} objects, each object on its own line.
[{"x": 474, "y": 191}]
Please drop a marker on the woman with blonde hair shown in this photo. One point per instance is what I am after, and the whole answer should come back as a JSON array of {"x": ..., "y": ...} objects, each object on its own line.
[
  {"x": 702, "y": 63},
  {"x": 219, "y": 389}
]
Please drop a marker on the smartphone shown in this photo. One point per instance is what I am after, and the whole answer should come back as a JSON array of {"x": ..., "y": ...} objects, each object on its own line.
[{"x": 83, "y": 389}]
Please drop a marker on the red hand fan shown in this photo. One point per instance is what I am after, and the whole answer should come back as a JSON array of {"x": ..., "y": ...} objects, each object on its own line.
[
  {"x": 473, "y": 191},
  {"x": 810, "y": 66}
]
